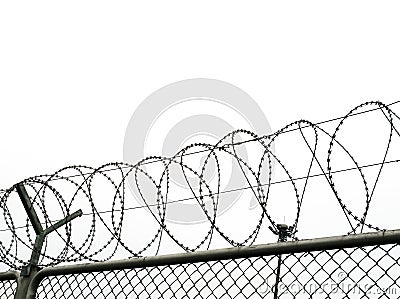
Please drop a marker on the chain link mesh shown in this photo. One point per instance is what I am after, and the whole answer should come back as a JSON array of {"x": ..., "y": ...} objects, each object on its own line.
[
  {"x": 7, "y": 288},
  {"x": 364, "y": 272}
]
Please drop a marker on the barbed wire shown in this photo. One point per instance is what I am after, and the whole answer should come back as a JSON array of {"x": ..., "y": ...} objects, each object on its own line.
[
  {"x": 152, "y": 181},
  {"x": 222, "y": 192}
]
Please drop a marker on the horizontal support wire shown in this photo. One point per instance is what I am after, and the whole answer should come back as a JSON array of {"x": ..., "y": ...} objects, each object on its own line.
[
  {"x": 158, "y": 198},
  {"x": 247, "y": 252}
]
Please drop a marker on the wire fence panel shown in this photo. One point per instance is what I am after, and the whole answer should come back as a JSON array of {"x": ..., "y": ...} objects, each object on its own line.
[
  {"x": 369, "y": 272},
  {"x": 67, "y": 219},
  {"x": 221, "y": 279},
  {"x": 8, "y": 287},
  {"x": 363, "y": 272}
]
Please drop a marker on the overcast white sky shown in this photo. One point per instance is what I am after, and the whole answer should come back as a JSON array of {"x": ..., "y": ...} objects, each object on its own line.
[{"x": 73, "y": 73}]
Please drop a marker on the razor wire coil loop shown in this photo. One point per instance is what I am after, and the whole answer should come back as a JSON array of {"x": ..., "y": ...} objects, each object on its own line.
[{"x": 83, "y": 183}]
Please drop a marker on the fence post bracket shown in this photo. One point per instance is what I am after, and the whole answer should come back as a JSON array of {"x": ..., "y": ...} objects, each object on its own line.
[{"x": 29, "y": 271}]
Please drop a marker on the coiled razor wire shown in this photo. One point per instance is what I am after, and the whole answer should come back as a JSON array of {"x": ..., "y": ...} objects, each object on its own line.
[{"x": 82, "y": 181}]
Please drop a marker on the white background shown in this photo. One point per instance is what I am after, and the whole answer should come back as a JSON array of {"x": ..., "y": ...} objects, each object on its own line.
[{"x": 71, "y": 74}]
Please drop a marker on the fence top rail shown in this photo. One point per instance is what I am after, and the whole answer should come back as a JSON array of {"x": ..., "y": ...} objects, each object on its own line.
[
  {"x": 9, "y": 275},
  {"x": 306, "y": 245}
]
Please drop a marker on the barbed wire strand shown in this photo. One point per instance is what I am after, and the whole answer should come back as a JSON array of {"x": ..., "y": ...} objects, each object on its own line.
[{"x": 143, "y": 182}]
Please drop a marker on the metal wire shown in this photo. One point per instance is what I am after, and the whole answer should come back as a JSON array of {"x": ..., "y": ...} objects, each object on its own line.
[
  {"x": 153, "y": 187},
  {"x": 364, "y": 272},
  {"x": 8, "y": 288}
]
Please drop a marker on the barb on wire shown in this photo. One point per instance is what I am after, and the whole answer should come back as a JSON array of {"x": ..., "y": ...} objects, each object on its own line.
[{"x": 82, "y": 187}]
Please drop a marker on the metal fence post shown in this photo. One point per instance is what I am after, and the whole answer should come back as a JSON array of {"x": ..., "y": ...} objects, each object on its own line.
[
  {"x": 29, "y": 271},
  {"x": 23, "y": 283},
  {"x": 283, "y": 233}
]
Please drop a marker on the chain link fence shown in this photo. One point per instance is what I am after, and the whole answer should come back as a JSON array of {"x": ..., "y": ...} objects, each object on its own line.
[
  {"x": 354, "y": 266},
  {"x": 8, "y": 284},
  {"x": 364, "y": 272},
  {"x": 8, "y": 288},
  {"x": 72, "y": 200}
]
